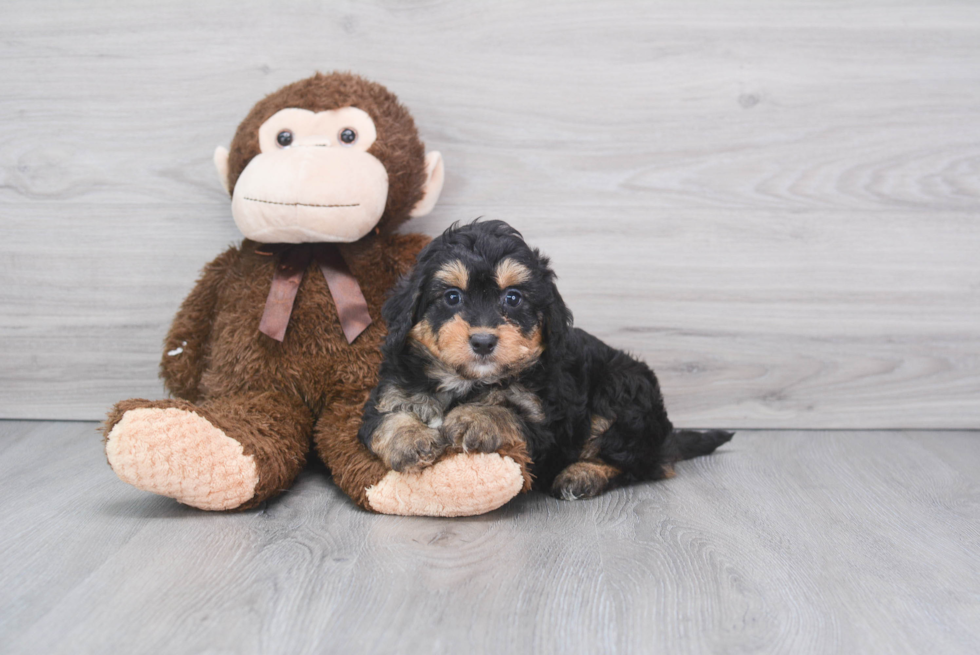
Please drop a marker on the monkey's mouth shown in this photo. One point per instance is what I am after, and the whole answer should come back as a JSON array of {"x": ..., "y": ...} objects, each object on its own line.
[{"x": 297, "y": 204}]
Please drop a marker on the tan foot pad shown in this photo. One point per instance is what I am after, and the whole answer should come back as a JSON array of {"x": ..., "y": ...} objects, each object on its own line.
[
  {"x": 464, "y": 485},
  {"x": 179, "y": 454}
]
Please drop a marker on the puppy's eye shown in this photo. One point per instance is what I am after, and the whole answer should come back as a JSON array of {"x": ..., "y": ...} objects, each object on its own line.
[
  {"x": 512, "y": 297},
  {"x": 452, "y": 297},
  {"x": 284, "y": 138}
]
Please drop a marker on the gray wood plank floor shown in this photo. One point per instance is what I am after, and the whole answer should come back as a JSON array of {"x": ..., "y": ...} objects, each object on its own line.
[{"x": 784, "y": 542}]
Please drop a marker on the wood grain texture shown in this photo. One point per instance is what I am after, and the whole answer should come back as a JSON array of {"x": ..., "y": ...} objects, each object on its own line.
[
  {"x": 774, "y": 203},
  {"x": 802, "y": 542}
]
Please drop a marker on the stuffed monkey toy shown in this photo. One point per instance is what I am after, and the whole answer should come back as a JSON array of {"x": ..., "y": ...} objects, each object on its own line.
[{"x": 276, "y": 348}]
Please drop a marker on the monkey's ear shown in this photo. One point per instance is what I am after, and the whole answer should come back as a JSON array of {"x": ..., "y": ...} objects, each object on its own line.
[
  {"x": 435, "y": 175},
  {"x": 221, "y": 163},
  {"x": 400, "y": 311}
]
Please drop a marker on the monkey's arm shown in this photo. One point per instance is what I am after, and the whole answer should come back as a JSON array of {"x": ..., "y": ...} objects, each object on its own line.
[{"x": 187, "y": 346}]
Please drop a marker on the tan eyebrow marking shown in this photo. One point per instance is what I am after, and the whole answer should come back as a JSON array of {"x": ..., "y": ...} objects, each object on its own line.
[
  {"x": 454, "y": 274},
  {"x": 510, "y": 273}
]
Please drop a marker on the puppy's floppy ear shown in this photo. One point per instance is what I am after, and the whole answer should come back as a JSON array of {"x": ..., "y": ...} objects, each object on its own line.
[
  {"x": 557, "y": 325},
  {"x": 401, "y": 310},
  {"x": 557, "y": 316}
]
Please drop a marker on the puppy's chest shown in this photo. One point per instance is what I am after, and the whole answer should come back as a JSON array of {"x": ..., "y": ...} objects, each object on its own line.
[
  {"x": 515, "y": 396},
  {"x": 431, "y": 407}
]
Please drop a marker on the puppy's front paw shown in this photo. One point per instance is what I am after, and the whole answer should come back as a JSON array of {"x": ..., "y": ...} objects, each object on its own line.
[
  {"x": 404, "y": 443},
  {"x": 481, "y": 428}
]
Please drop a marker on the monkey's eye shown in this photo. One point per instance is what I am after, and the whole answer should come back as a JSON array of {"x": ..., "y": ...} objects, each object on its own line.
[
  {"x": 452, "y": 297},
  {"x": 347, "y": 136},
  {"x": 284, "y": 138},
  {"x": 512, "y": 297}
]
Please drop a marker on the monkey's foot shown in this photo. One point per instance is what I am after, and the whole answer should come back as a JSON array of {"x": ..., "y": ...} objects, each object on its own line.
[
  {"x": 461, "y": 485},
  {"x": 179, "y": 454}
]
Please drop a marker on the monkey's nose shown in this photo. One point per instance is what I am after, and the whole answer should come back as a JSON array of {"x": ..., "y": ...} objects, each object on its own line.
[
  {"x": 312, "y": 141},
  {"x": 483, "y": 343}
]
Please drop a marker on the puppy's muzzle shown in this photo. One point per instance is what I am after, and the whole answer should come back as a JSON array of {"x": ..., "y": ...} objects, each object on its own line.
[{"x": 483, "y": 343}]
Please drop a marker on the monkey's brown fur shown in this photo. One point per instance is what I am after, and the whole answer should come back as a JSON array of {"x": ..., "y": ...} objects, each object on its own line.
[{"x": 273, "y": 397}]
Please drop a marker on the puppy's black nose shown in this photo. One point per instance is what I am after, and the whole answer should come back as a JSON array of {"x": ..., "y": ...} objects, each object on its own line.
[{"x": 483, "y": 343}]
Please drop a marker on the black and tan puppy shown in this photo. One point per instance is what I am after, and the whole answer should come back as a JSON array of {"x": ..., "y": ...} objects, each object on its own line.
[{"x": 481, "y": 352}]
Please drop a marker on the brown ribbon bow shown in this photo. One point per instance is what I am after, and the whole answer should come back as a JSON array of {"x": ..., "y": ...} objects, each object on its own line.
[{"x": 292, "y": 262}]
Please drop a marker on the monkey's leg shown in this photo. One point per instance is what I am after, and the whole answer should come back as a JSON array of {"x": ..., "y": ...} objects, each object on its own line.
[
  {"x": 225, "y": 453},
  {"x": 457, "y": 485}
]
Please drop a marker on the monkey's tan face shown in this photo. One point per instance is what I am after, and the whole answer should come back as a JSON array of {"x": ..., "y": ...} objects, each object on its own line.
[{"x": 314, "y": 179}]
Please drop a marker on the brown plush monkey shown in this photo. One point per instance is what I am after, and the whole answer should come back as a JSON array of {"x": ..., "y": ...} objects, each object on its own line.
[{"x": 277, "y": 346}]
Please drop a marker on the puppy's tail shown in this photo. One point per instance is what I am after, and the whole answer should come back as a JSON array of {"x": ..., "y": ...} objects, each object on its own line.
[{"x": 685, "y": 444}]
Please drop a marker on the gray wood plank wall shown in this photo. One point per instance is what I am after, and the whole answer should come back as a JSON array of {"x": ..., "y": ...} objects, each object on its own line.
[{"x": 776, "y": 204}]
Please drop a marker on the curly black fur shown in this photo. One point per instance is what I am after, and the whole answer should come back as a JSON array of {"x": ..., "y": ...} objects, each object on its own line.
[{"x": 601, "y": 410}]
